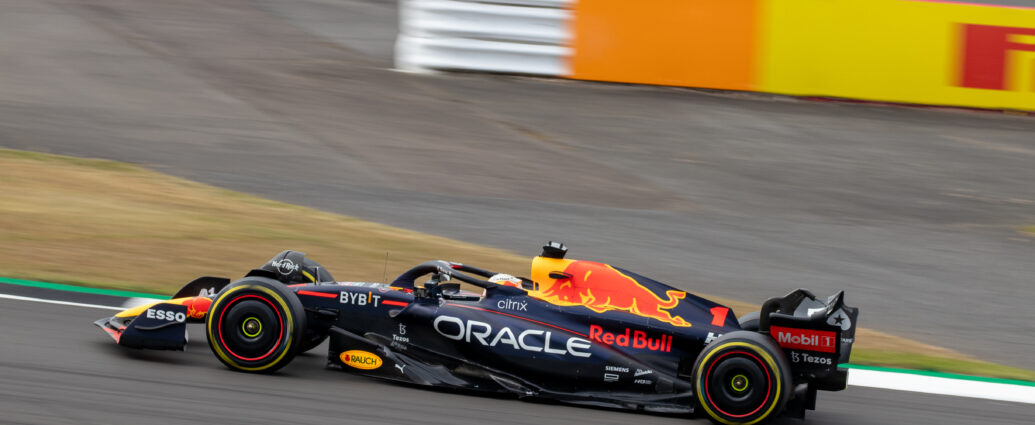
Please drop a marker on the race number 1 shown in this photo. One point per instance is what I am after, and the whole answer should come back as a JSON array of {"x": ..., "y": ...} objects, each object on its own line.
[{"x": 719, "y": 315}]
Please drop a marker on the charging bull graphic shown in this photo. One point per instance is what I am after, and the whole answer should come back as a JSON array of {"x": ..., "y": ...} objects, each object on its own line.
[
  {"x": 600, "y": 287},
  {"x": 197, "y": 306}
]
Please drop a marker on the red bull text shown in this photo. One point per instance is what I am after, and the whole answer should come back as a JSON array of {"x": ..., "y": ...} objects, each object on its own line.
[{"x": 631, "y": 338}]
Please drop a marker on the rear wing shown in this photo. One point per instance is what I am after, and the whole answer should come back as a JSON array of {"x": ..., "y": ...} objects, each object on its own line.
[{"x": 816, "y": 334}]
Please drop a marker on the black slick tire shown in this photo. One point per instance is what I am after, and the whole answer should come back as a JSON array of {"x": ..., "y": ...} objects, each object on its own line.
[
  {"x": 255, "y": 325},
  {"x": 741, "y": 378},
  {"x": 311, "y": 340},
  {"x": 749, "y": 322}
]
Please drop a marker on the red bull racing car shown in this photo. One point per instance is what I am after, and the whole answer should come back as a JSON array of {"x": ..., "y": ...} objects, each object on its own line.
[{"x": 574, "y": 331}]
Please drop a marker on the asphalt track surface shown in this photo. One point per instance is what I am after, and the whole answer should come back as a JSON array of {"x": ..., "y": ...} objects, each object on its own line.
[
  {"x": 914, "y": 212},
  {"x": 57, "y": 368}
]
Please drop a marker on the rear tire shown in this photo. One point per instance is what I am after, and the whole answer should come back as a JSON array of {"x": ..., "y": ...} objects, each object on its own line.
[
  {"x": 749, "y": 322},
  {"x": 741, "y": 378},
  {"x": 255, "y": 325}
]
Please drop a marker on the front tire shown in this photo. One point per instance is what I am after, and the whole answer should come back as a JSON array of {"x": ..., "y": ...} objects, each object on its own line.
[
  {"x": 255, "y": 325},
  {"x": 741, "y": 378},
  {"x": 311, "y": 340}
]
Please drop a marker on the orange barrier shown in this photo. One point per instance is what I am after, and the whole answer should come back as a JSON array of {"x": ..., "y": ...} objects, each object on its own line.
[
  {"x": 910, "y": 51},
  {"x": 703, "y": 43}
]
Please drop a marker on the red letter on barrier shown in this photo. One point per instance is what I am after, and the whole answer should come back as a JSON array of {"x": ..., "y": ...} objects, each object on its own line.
[{"x": 985, "y": 52}]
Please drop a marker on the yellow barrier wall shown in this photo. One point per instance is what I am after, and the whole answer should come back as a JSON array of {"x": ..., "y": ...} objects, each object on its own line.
[
  {"x": 900, "y": 51},
  {"x": 910, "y": 51}
]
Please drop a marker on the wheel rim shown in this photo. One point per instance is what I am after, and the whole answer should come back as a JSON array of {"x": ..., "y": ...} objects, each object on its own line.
[
  {"x": 738, "y": 384},
  {"x": 250, "y": 328}
]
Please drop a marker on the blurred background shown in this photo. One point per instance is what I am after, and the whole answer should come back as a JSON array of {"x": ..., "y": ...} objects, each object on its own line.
[{"x": 738, "y": 149}]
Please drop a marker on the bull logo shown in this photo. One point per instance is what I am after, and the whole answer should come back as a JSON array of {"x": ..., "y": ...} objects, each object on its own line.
[
  {"x": 600, "y": 287},
  {"x": 197, "y": 307}
]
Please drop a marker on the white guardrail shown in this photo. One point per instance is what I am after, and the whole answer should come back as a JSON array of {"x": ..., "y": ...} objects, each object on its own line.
[{"x": 513, "y": 36}]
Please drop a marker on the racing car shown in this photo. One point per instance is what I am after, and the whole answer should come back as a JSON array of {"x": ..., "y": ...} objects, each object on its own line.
[{"x": 574, "y": 331}]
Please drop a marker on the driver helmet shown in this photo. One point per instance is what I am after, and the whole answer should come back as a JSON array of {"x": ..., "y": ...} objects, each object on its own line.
[{"x": 506, "y": 280}]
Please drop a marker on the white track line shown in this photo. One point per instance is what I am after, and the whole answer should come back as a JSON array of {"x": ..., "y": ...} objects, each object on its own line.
[
  {"x": 942, "y": 386},
  {"x": 41, "y": 300},
  {"x": 856, "y": 377}
]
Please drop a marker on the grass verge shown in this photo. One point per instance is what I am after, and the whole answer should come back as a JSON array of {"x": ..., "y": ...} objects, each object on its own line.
[
  {"x": 114, "y": 225},
  {"x": 907, "y": 360}
]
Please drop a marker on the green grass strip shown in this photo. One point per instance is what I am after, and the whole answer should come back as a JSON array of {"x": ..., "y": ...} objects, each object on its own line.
[
  {"x": 939, "y": 374},
  {"x": 82, "y": 289}
]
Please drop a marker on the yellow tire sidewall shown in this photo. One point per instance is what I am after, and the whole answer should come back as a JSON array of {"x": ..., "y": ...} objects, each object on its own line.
[
  {"x": 288, "y": 329},
  {"x": 761, "y": 352}
]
